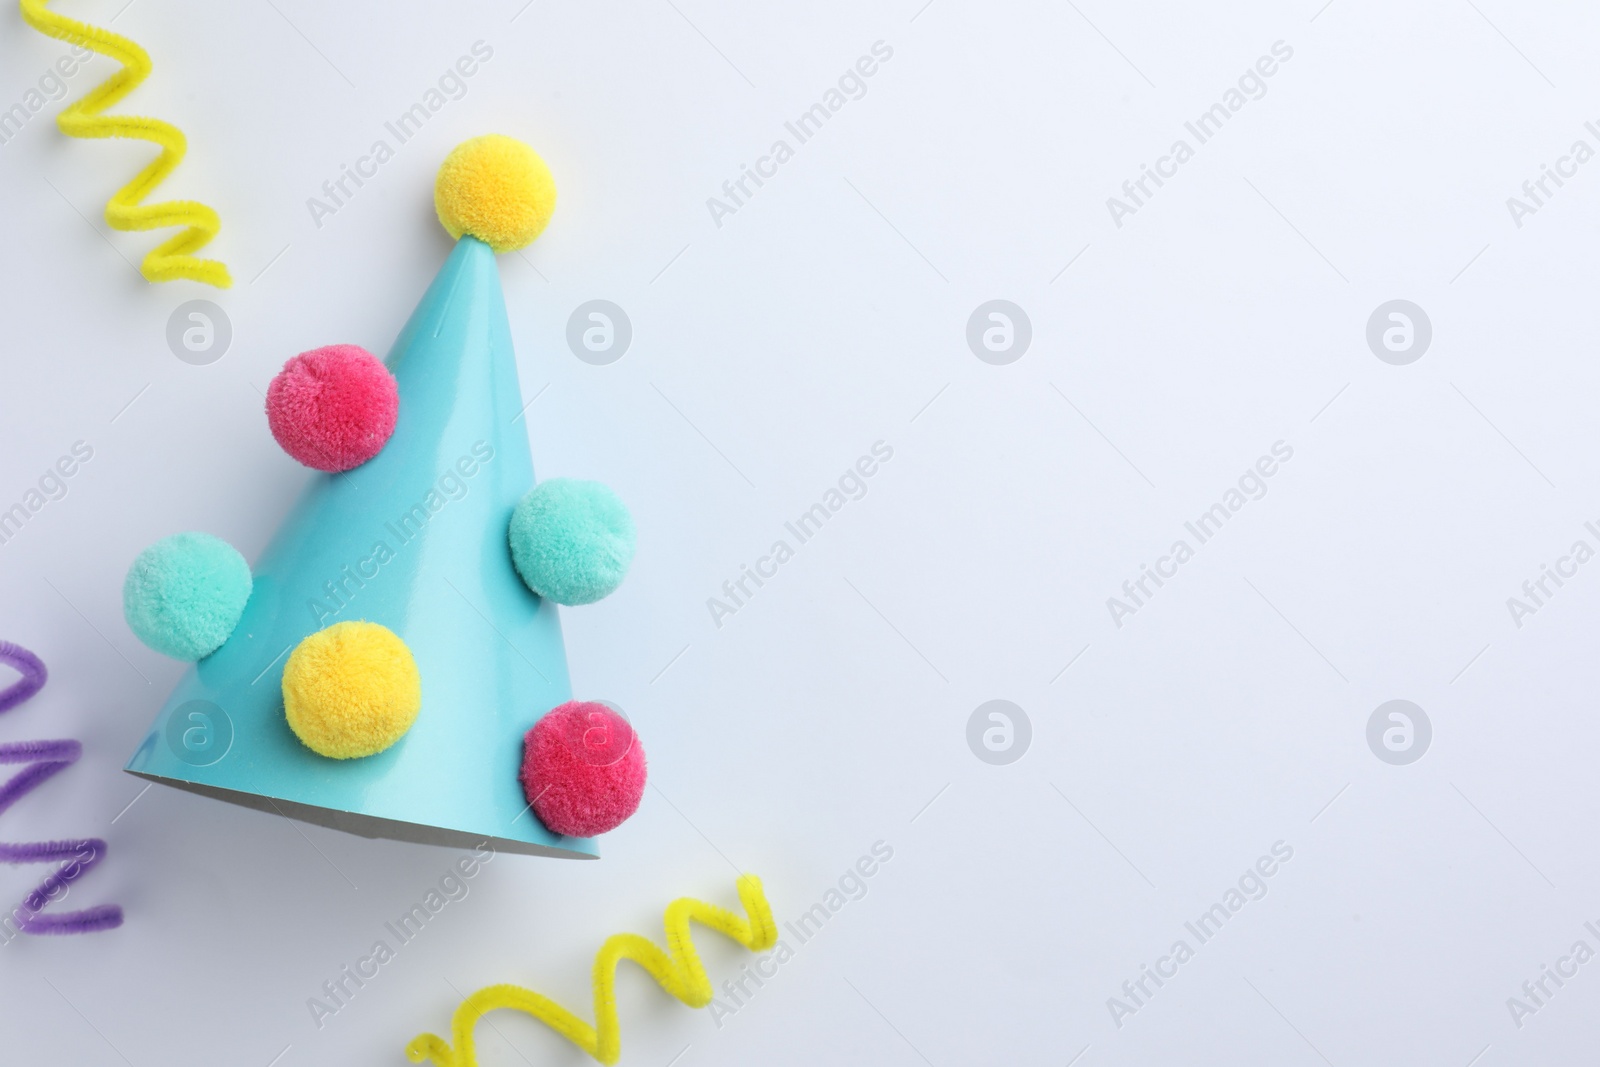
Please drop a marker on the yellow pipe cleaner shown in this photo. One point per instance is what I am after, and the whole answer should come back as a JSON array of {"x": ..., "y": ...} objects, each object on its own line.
[
  {"x": 126, "y": 210},
  {"x": 678, "y": 971}
]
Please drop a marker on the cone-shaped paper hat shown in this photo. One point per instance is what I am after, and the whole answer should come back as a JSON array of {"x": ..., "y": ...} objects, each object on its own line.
[{"x": 414, "y": 539}]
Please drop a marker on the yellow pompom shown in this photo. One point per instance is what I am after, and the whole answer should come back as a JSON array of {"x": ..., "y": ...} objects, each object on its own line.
[
  {"x": 497, "y": 189},
  {"x": 351, "y": 690}
]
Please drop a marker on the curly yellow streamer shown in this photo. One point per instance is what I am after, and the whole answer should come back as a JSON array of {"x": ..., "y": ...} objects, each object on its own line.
[
  {"x": 678, "y": 971},
  {"x": 126, "y": 210}
]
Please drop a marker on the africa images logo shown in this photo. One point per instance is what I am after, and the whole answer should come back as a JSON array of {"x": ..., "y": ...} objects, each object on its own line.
[
  {"x": 453, "y": 484},
  {"x": 1399, "y": 732},
  {"x": 199, "y": 733}
]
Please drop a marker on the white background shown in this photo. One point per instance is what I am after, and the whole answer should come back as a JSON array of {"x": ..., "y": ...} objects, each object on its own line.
[{"x": 769, "y": 353}]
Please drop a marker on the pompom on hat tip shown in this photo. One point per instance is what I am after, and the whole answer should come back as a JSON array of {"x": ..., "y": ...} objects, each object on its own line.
[{"x": 497, "y": 189}]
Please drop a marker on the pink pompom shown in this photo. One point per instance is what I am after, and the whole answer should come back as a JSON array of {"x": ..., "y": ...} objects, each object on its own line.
[
  {"x": 333, "y": 408},
  {"x": 583, "y": 769}
]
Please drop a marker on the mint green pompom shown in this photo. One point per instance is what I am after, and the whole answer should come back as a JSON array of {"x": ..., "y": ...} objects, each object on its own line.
[
  {"x": 185, "y": 594},
  {"x": 571, "y": 540}
]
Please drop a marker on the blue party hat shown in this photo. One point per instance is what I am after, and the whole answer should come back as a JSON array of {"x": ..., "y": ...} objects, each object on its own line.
[{"x": 415, "y": 540}]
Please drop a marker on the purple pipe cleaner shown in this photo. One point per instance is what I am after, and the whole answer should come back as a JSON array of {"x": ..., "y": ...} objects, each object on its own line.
[
  {"x": 32, "y": 670},
  {"x": 43, "y": 759}
]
